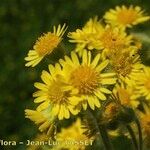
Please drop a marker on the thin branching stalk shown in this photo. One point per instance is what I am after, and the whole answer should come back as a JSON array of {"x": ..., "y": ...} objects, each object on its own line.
[{"x": 104, "y": 135}]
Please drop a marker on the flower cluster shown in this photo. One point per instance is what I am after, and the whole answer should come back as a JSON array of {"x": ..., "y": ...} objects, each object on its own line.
[{"x": 102, "y": 81}]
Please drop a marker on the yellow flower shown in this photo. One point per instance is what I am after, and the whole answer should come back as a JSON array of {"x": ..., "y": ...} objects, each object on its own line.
[
  {"x": 95, "y": 36},
  {"x": 127, "y": 94},
  {"x": 88, "y": 77},
  {"x": 45, "y": 45},
  {"x": 126, "y": 62},
  {"x": 44, "y": 119},
  {"x": 86, "y": 37},
  {"x": 143, "y": 82},
  {"x": 113, "y": 39},
  {"x": 56, "y": 93},
  {"x": 125, "y": 16},
  {"x": 73, "y": 138}
]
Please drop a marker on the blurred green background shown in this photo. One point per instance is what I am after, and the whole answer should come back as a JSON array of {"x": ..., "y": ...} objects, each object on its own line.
[{"x": 21, "y": 22}]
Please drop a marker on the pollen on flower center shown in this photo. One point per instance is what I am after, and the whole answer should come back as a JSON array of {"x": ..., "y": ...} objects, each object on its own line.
[
  {"x": 123, "y": 65},
  {"x": 123, "y": 70},
  {"x": 56, "y": 93},
  {"x": 127, "y": 16},
  {"x": 46, "y": 43},
  {"x": 110, "y": 40},
  {"x": 85, "y": 79}
]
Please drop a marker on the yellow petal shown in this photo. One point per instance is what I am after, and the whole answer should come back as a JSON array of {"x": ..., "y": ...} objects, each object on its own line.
[
  {"x": 102, "y": 65},
  {"x": 100, "y": 95}
]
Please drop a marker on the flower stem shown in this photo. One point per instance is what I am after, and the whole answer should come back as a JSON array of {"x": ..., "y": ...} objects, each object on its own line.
[
  {"x": 103, "y": 132},
  {"x": 133, "y": 137},
  {"x": 105, "y": 137},
  {"x": 140, "y": 134}
]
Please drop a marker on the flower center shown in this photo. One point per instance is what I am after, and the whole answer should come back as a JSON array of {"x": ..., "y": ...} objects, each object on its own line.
[
  {"x": 123, "y": 64},
  {"x": 46, "y": 44},
  {"x": 126, "y": 16},
  {"x": 57, "y": 94},
  {"x": 111, "y": 40},
  {"x": 85, "y": 79}
]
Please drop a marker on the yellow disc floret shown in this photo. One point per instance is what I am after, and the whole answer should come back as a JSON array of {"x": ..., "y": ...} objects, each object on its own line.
[
  {"x": 46, "y": 43},
  {"x": 85, "y": 79}
]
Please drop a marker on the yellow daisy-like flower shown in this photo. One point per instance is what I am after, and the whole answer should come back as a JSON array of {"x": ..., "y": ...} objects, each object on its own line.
[
  {"x": 44, "y": 119},
  {"x": 126, "y": 63},
  {"x": 45, "y": 45},
  {"x": 125, "y": 16},
  {"x": 143, "y": 82},
  {"x": 88, "y": 77},
  {"x": 126, "y": 94},
  {"x": 56, "y": 93},
  {"x": 113, "y": 39},
  {"x": 73, "y": 138},
  {"x": 86, "y": 37},
  {"x": 95, "y": 36}
]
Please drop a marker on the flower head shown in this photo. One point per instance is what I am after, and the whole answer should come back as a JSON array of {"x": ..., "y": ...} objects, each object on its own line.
[
  {"x": 88, "y": 77},
  {"x": 86, "y": 37},
  {"x": 45, "y": 45},
  {"x": 43, "y": 119},
  {"x": 125, "y": 16},
  {"x": 112, "y": 39},
  {"x": 126, "y": 93},
  {"x": 126, "y": 62},
  {"x": 56, "y": 93}
]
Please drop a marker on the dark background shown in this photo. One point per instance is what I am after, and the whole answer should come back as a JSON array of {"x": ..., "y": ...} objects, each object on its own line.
[{"x": 21, "y": 22}]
